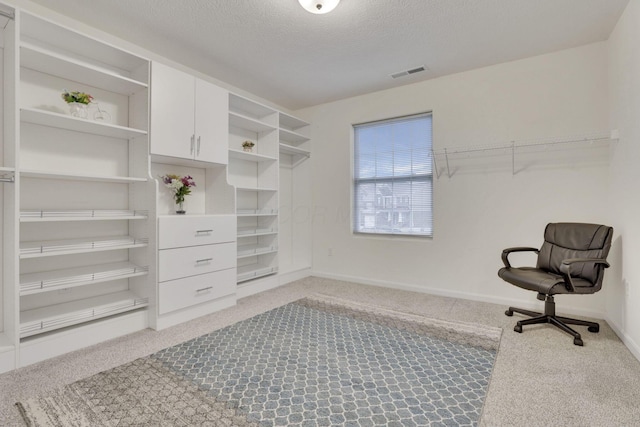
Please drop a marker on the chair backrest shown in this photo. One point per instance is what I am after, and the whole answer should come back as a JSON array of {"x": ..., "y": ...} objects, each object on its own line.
[{"x": 575, "y": 240}]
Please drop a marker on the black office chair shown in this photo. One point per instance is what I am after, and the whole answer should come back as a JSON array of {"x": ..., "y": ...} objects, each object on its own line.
[{"x": 571, "y": 260}]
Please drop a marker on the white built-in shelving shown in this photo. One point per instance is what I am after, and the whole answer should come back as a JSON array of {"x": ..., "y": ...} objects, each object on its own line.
[
  {"x": 255, "y": 271},
  {"x": 66, "y": 122},
  {"x": 295, "y": 150},
  {"x": 52, "y": 317},
  {"x": 84, "y": 196},
  {"x": 255, "y": 177},
  {"x": 34, "y": 283},
  {"x": 46, "y": 248},
  {"x": 293, "y": 135},
  {"x": 8, "y": 194}
]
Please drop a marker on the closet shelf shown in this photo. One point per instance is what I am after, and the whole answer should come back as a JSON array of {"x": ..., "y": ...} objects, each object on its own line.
[
  {"x": 245, "y": 251},
  {"x": 252, "y": 157},
  {"x": 79, "y": 177},
  {"x": 257, "y": 212},
  {"x": 38, "y": 249},
  {"x": 60, "y": 65},
  {"x": 253, "y": 271},
  {"x": 7, "y": 174},
  {"x": 34, "y": 283},
  {"x": 256, "y": 189},
  {"x": 290, "y": 123},
  {"x": 49, "y": 318},
  {"x": 253, "y": 231},
  {"x": 289, "y": 149},
  {"x": 67, "y": 122},
  {"x": 244, "y": 106},
  {"x": 442, "y": 157},
  {"x": 244, "y": 122},
  {"x": 60, "y": 39},
  {"x": 81, "y": 215},
  {"x": 292, "y": 137}
]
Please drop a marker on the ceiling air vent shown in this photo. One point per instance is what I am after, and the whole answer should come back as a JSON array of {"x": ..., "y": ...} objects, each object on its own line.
[{"x": 408, "y": 72}]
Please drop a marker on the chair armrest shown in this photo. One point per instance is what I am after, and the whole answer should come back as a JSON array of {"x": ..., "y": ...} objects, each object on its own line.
[
  {"x": 506, "y": 252},
  {"x": 565, "y": 268}
]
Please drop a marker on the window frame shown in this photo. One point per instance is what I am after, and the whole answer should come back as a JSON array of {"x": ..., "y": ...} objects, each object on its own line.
[{"x": 429, "y": 178}]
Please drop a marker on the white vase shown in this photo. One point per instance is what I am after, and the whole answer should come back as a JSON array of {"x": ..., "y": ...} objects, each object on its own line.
[{"x": 79, "y": 110}]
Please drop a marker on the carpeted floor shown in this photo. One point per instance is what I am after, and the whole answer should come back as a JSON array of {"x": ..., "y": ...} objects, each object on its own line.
[{"x": 539, "y": 378}]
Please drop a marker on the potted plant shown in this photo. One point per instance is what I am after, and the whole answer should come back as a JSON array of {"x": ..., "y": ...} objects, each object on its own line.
[
  {"x": 78, "y": 102},
  {"x": 248, "y": 146},
  {"x": 181, "y": 187}
]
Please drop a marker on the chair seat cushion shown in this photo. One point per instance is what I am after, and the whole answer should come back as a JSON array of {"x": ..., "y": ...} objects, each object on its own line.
[{"x": 535, "y": 279}]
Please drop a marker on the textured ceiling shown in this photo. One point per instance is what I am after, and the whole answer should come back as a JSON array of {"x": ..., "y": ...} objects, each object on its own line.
[{"x": 278, "y": 51}]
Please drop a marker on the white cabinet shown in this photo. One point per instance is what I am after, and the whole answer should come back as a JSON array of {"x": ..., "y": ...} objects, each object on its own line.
[
  {"x": 196, "y": 262},
  {"x": 83, "y": 191},
  {"x": 188, "y": 117}
]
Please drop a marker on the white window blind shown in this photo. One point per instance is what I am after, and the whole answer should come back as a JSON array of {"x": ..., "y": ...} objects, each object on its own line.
[{"x": 393, "y": 177}]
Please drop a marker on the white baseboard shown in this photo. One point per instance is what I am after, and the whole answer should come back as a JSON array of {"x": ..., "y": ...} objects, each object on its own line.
[
  {"x": 58, "y": 343},
  {"x": 293, "y": 275},
  {"x": 189, "y": 313},
  {"x": 271, "y": 282},
  {"x": 633, "y": 346},
  {"x": 7, "y": 359},
  {"x": 526, "y": 304}
]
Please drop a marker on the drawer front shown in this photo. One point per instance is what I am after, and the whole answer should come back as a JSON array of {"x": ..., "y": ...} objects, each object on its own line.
[
  {"x": 183, "y": 262},
  {"x": 189, "y": 291},
  {"x": 181, "y": 231}
]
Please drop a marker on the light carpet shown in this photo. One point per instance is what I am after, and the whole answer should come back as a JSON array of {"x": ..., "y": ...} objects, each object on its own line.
[{"x": 315, "y": 362}]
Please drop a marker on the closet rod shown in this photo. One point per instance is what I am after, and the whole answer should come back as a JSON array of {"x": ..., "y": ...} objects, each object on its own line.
[
  {"x": 514, "y": 145},
  {"x": 9, "y": 15}
]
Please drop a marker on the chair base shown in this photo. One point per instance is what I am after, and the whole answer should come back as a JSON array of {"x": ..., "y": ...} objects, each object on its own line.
[{"x": 549, "y": 316}]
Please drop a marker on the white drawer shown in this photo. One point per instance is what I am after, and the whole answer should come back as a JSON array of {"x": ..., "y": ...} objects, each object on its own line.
[
  {"x": 182, "y": 262},
  {"x": 189, "y": 291},
  {"x": 180, "y": 231}
]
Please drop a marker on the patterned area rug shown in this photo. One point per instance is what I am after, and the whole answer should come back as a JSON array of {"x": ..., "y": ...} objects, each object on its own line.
[{"x": 314, "y": 362}]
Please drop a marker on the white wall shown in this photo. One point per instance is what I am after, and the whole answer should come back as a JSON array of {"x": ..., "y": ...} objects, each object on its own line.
[
  {"x": 624, "y": 83},
  {"x": 480, "y": 210}
]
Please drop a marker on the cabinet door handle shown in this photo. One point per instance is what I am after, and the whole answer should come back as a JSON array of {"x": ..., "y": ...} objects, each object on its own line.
[
  {"x": 204, "y": 231},
  {"x": 198, "y": 149},
  {"x": 204, "y": 289},
  {"x": 204, "y": 260},
  {"x": 193, "y": 137}
]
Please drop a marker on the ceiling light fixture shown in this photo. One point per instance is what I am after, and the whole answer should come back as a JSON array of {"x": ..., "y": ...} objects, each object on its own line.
[{"x": 319, "y": 6}]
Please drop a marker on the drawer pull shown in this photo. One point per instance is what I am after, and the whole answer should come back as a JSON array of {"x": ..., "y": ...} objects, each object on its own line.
[
  {"x": 204, "y": 231},
  {"x": 204, "y": 260},
  {"x": 208, "y": 288}
]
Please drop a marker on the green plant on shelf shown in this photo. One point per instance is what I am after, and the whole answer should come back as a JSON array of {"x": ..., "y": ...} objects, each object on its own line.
[{"x": 76, "y": 96}]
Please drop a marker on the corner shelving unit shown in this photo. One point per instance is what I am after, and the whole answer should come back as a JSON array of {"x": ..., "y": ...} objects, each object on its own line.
[
  {"x": 293, "y": 140},
  {"x": 84, "y": 190},
  {"x": 295, "y": 180},
  {"x": 8, "y": 194},
  {"x": 255, "y": 177}
]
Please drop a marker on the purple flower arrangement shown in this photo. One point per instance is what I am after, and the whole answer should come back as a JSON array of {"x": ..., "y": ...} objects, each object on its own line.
[{"x": 180, "y": 185}]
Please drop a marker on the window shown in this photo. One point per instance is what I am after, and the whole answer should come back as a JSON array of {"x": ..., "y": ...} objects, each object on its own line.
[{"x": 393, "y": 177}]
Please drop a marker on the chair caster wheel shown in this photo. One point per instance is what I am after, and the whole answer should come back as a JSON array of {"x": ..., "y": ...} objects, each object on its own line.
[
  {"x": 594, "y": 329},
  {"x": 578, "y": 341},
  {"x": 509, "y": 313},
  {"x": 518, "y": 328}
]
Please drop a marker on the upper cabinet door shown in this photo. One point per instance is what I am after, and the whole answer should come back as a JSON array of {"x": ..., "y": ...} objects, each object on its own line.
[
  {"x": 212, "y": 122},
  {"x": 172, "y": 112}
]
